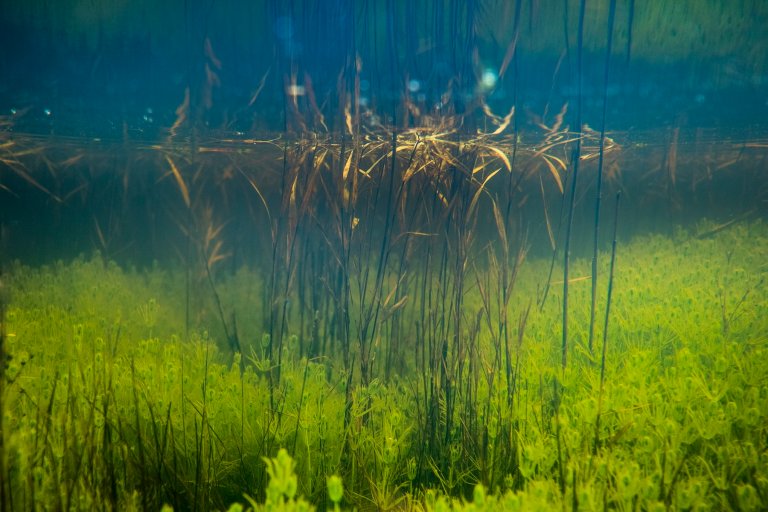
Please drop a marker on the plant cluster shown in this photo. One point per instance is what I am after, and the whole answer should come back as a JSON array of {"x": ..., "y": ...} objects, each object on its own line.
[{"x": 108, "y": 404}]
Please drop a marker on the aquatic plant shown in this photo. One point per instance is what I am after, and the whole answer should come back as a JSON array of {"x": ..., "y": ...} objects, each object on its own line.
[
  {"x": 98, "y": 413},
  {"x": 342, "y": 314}
]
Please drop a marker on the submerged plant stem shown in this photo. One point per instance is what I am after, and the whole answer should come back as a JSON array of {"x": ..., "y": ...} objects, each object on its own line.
[
  {"x": 574, "y": 179},
  {"x": 605, "y": 324},
  {"x": 599, "y": 192}
]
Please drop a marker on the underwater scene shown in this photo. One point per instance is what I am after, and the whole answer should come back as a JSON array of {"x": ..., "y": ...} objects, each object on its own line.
[{"x": 435, "y": 255}]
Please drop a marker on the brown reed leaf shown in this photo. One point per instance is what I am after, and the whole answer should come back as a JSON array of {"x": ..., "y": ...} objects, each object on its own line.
[
  {"x": 553, "y": 170},
  {"x": 259, "y": 88},
  {"x": 345, "y": 170},
  {"x": 19, "y": 171},
  {"x": 480, "y": 189},
  {"x": 181, "y": 113},
  {"x": 179, "y": 181},
  {"x": 508, "y": 55},
  {"x": 500, "y": 154},
  {"x": 216, "y": 255},
  {"x": 505, "y": 122},
  {"x": 71, "y": 161},
  {"x": 500, "y": 226},
  {"x": 100, "y": 233}
]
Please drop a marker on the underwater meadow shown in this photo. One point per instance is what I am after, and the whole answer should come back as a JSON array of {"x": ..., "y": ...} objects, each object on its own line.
[
  {"x": 445, "y": 255},
  {"x": 109, "y": 401}
]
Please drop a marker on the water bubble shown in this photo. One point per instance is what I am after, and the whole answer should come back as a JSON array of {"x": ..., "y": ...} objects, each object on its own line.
[
  {"x": 489, "y": 78},
  {"x": 13, "y": 111},
  {"x": 47, "y": 111},
  {"x": 295, "y": 90},
  {"x": 414, "y": 85}
]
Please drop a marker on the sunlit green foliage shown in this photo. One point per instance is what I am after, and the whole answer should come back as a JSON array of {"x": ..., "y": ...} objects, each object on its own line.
[{"x": 111, "y": 405}]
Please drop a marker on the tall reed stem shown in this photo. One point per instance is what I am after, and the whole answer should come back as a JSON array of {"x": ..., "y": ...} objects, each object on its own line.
[
  {"x": 605, "y": 324},
  {"x": 598, "y": 195},
  {"x": 5, "y": 496},
  {"x": 576, "y": 157}
]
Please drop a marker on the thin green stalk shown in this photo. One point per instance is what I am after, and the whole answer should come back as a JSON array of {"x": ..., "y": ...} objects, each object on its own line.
[
  {"x": 139, "y": 439},
  {"x": 545, "y": 293},
  {"x": 558, "y": 439},
  {"x": 576, "y": 157},
  {"x": 605, "y": 324},
  {"x": 630, "y": 23},
  {"x": 5, "y": 484},
  {"x": 599, "y": 192},
  {"x": 274, "y": 300},
  {"x": 300, "y": 406}
]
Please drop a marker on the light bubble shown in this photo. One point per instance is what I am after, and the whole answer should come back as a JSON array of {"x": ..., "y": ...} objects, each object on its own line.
[
  {"x": 489, "y": 78},
  {"x": 295, "y": 90},
  {"x": 414, "y": 85}
]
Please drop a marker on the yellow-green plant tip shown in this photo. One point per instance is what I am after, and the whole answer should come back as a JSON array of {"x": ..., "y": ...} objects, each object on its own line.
[{"x": 335, "y": 488}]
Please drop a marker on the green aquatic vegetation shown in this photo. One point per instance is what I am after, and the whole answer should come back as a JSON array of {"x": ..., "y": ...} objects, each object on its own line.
[{"x": 109, "y": 403}]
